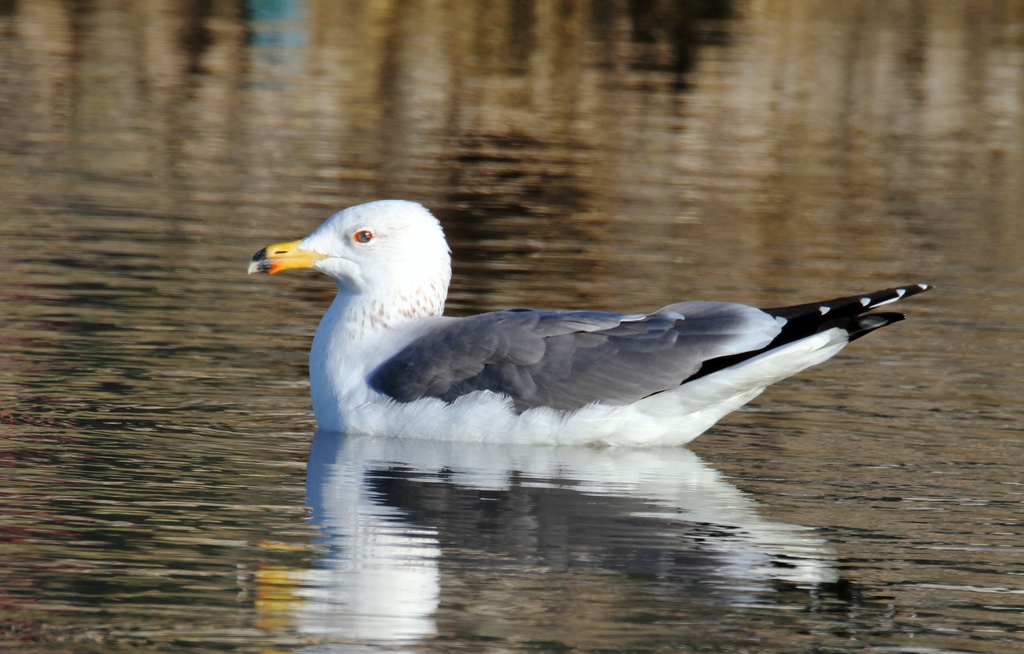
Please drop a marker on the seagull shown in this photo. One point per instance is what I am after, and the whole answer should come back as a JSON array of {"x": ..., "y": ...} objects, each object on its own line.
[{"x": 385, "y": 360}]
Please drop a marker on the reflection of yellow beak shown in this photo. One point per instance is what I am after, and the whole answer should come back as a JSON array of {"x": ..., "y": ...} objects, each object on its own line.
[{"x": 275, "y": 258}]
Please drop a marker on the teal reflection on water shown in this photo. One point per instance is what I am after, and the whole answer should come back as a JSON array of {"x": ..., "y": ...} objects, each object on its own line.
[{"x": 276, "y": 26}]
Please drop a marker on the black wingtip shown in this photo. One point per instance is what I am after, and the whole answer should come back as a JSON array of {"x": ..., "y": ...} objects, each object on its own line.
[
  {"x": 866, "y": 323},
  {"x": 851, "y": 305},
  {"x": 851, "y": 313}
]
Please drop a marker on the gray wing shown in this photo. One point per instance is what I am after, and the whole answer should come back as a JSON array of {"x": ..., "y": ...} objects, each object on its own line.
[{"x": 568, "y": 359}]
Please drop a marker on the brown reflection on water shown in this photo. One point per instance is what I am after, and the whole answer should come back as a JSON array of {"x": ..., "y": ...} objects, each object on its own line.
[
  {"x": 544, "y": 134},
  {"x": 613, "y": 154}
]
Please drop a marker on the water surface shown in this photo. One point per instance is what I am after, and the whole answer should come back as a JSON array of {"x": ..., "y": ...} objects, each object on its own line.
[{"x": 163, "y": 485}]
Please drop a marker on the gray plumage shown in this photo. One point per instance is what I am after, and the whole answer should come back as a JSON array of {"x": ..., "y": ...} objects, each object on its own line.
[
  {"x": 568, "y": 359},
  {"x": 565, "y": 360}
]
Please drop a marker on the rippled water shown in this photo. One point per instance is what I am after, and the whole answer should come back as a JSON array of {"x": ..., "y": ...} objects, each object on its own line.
[{"x": 162, "y": 486}]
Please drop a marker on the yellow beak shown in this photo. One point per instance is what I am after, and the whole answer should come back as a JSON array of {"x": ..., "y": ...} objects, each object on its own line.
[{"x": 275, "y": 258}]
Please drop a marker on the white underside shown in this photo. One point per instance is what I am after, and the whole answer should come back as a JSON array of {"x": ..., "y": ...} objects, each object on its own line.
[{"x": 670, "y": 418}]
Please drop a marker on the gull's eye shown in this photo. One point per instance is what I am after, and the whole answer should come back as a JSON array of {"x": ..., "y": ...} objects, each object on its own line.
[{"x": 363, "y": 236}]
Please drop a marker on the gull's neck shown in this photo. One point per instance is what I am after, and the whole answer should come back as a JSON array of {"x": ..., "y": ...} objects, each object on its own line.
[
  {"x": 365, "y": 316},
  {"x": 358, "y": 333}
]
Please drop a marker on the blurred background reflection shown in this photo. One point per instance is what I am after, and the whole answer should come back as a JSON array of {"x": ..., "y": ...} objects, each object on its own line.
[{"x": 155, "y": 425}]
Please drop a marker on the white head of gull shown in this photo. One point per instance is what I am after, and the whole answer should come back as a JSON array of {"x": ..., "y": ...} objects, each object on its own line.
[{"x": 385, "y": 361}]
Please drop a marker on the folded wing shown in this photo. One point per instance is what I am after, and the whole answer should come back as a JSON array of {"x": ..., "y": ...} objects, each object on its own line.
[{"x": 568, "y": 359}]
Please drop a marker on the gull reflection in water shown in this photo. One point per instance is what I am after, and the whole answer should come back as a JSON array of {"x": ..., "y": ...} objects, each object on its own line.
[{"x": 391, "y": 509}]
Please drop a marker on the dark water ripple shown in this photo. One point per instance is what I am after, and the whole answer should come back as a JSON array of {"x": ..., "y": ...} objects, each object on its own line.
[{"x": 162, "y": 486}]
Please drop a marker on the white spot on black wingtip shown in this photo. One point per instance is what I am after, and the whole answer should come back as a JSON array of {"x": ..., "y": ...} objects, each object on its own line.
[
  {"x": 900, "y": 292},
  {"x": 865, "y": 301},
  {"x": 824, "y": 309},
  {"x": 923, "y": 287}
]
